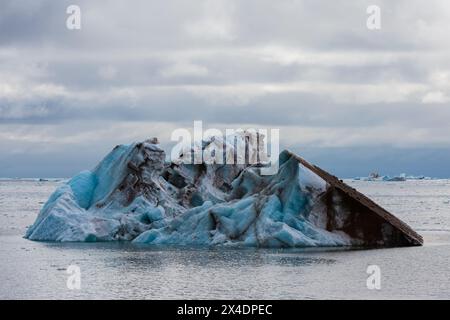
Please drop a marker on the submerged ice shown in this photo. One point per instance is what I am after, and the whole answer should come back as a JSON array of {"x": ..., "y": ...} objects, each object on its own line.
[{"x": 135, "y": 195}]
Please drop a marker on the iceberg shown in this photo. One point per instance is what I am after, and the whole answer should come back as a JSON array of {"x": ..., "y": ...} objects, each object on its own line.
[
  {"x": 135, "y": 194},
  {"x": 397, "y": 178}
]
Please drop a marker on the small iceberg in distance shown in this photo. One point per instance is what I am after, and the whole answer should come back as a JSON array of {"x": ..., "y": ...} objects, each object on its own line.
[
  {"x": 397, "y": 178},
  {"x": 134, "y": 194}
]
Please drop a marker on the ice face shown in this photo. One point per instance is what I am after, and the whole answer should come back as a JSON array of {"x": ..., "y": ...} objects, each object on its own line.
[
  {"x": 134, "y": 195},
  {"x": 261, "y": 211},
  {"x": 100, "y": 205}
]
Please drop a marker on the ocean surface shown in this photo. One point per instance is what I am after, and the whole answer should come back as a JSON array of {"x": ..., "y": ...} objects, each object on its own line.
[{"x": 37, "y": 270}]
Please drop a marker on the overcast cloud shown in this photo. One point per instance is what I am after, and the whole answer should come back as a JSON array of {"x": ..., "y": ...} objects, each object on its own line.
[{"x": 339, "y": 92}]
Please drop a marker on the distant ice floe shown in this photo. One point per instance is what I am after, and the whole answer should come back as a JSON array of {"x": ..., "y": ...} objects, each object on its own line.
[
  {"x": 33, "y": 179},
  {"x": 400, "y": 177}
]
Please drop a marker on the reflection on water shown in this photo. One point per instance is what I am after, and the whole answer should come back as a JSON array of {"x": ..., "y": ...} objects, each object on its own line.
[{"x": 145, "y": 256}]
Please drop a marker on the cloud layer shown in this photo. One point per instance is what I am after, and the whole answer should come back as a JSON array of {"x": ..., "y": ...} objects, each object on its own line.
[{"x": 142, "y": 68}]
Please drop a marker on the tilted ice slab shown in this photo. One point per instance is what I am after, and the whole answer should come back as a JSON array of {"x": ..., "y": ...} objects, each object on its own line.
[{"x": 133, "y": 194}]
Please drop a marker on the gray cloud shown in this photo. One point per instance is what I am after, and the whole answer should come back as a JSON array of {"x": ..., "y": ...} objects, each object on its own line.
[{"x": 309, "y": 67}]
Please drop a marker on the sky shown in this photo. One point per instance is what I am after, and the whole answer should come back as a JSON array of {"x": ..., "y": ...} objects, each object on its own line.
[{"x": 347, "y": 98}]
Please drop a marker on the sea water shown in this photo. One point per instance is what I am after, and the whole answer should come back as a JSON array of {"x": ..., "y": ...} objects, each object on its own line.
[{"x": 38, "y": 270}]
